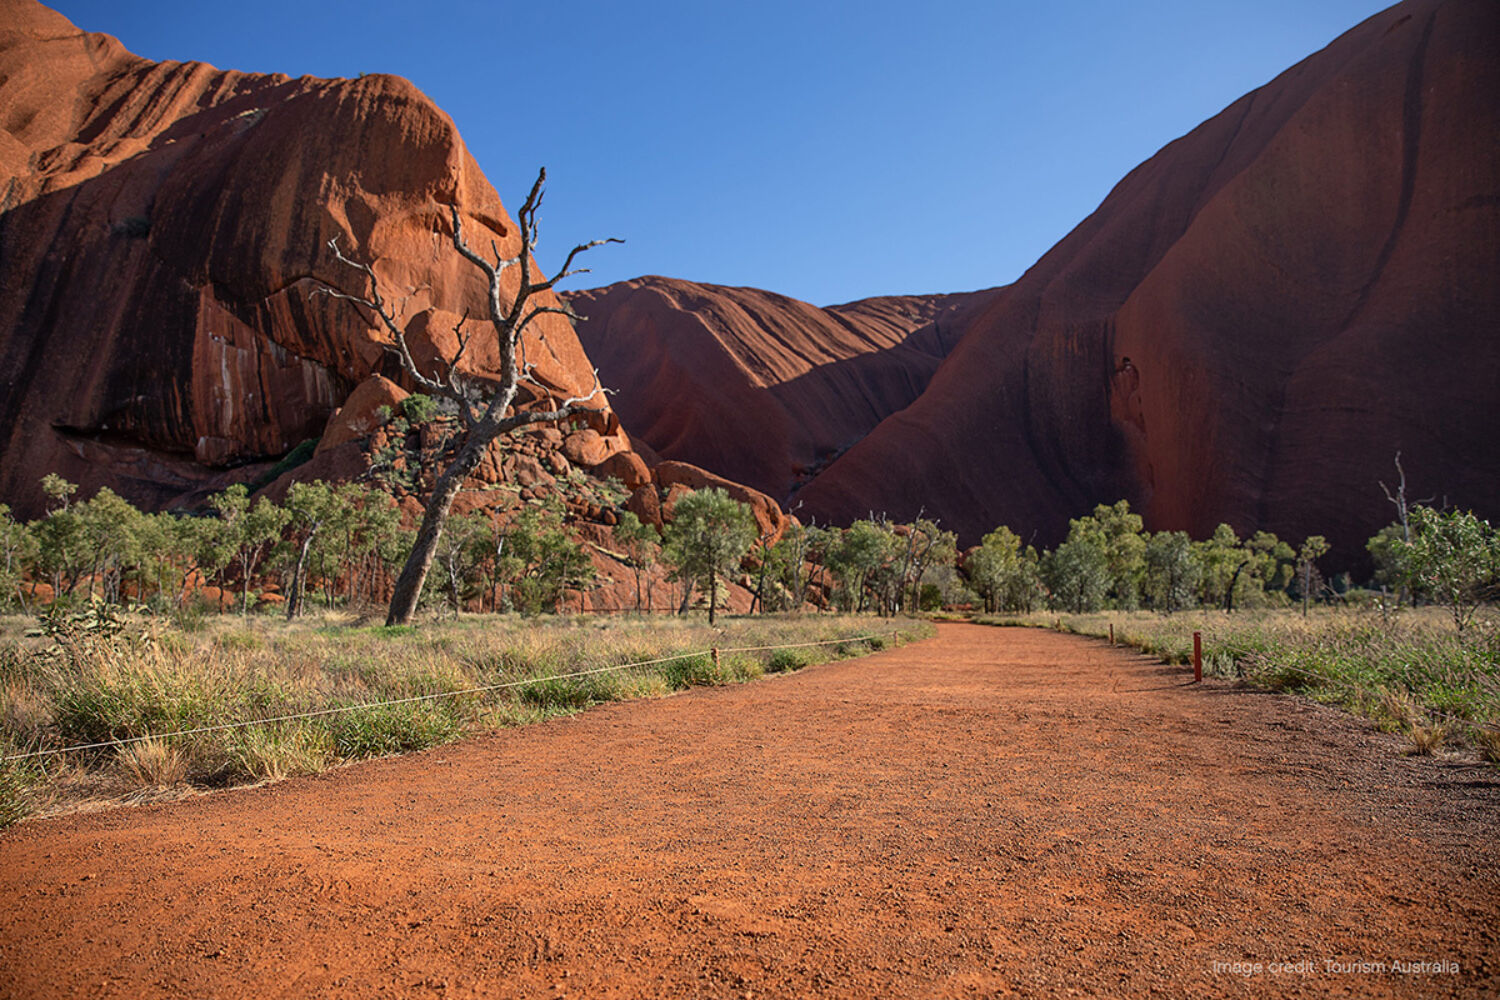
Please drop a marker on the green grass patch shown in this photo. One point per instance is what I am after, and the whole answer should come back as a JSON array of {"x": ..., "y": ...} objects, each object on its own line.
[
  {"x": 379, "y": 730},
  {"x": 1364, "y": 661}
]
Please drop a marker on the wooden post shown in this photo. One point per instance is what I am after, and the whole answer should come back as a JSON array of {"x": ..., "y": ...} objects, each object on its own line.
[
  {"x": 1111, "y": 633},
  {"x": 1197, "y": 657}
]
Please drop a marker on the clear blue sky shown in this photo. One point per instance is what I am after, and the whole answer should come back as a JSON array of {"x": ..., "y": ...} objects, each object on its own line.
[{"x": 828, "y": 151}]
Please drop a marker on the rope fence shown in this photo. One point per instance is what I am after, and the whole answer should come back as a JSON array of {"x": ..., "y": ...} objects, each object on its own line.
[
  {"x": 480, "y": 689},
  {"x": 1236, "y": 659}
]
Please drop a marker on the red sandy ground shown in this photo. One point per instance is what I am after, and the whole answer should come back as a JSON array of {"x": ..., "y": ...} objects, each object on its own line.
[{"x": 990, "y": 812}]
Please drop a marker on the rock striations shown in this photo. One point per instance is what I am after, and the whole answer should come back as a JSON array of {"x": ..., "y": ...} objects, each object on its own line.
[
  {"x": 163, "y": 224},
  {"x": 1245, "y": 330},
  {"x": 759, "y": 387}
]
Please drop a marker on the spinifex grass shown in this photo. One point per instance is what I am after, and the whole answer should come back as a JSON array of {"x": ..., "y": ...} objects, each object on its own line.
[
  {"x": 1409, "y": 671},
  {"x": 147, "y": 678}
]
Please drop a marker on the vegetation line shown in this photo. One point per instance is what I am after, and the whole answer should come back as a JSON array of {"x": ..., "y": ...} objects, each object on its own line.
[
  {"x": 422, "y": 697},
  {"x": 1406, "y": 672}
]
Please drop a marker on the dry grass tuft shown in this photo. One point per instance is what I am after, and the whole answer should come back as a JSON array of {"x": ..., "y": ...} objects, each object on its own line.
[
  {"x": 1424, "y": 741},
  {"x": 154, "y": 763}
]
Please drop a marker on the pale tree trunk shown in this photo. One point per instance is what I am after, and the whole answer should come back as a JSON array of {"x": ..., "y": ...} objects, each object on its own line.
[
  {"x": 294, "y": 603},
  {"x": 414, "y": 574}
]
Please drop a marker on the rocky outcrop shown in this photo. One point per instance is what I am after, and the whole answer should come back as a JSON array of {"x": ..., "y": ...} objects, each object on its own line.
[
  {"x": 367, "y": 408},
  {"x": 1245, "y": 330},
  {"x": 163, "y": 225},
  {"x": 758, "y": 387}
]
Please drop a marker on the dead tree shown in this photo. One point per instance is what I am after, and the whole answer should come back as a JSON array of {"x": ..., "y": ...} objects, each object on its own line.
[
  {"x": 1403, "y": 517},
  {"x": 484, "y": 404}
]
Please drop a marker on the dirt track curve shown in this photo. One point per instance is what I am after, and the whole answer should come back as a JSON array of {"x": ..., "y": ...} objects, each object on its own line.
[{"x": 994, "y": 811}]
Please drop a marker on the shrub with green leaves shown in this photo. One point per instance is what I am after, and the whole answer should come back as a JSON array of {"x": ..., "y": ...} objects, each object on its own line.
[
  {"x": 686, "y": 671},
  {"x": 782, "y": 660},
  {"x": 380, "y": 730}
]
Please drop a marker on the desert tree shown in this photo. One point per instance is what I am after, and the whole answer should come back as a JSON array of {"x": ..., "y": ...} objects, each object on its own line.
[
  {"x": 544, "y": 560},
  {"x": 17, "y": 550},
  {"x": 1172, "y": 572},
  {"x": 1397, "y": 498},
  {"x": 709, "y": 534},
  {"x": 790, "y": 554},
  {"x": 642, "y": 544},
  {"x": 1118, "y": 533},
  {"x": 858, "y": 555},
  {"x": 462, "y": 547},
  {"x": 1314, "y": 547},
  {"x": 309, "y": 506},
  {"x": 1077, "y": 575},
  {"x": 250, "y": 531},
  {"x": 1454, "y": 557},
  {"x": 485, "y": 405}
]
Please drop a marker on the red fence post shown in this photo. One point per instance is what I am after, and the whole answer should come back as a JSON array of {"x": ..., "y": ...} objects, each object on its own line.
[{"x": 1197, "y": 657}]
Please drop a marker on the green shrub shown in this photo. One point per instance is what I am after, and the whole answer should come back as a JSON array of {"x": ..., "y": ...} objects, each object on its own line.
[
  {"x": 686, "y": 671},
  {"x": 570, "y": 692},
  {"x": 17, "y": 780},
  {"x": 782, "y": 660},
  {"x": 95, "y": 709},
  {"x": 742, "y": 668},
  {"x": 418, "y": 408},
  {"x": 377, "y": 730}
]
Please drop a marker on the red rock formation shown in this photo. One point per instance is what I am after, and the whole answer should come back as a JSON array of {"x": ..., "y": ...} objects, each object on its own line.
[
  {"x": 758, "y": 387},
  {"x": 163, "y": 225},
  {"x": 1250, "y": 324},
  {"x": 769, "y": 517},
  {"x": 361, "y": 412}
]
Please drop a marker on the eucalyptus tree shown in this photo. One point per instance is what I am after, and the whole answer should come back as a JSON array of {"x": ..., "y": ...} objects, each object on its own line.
[
  {"x": 1172, "y": 572},
  {"x": 1453, "y": 557},
  {"x": 1313, "y": 548},
  {"x": 642, "y": 544},
  {"x": 250, "y": 531},
  {"x": 17, "y": 550},
  {"x": 709, "y": 535}
]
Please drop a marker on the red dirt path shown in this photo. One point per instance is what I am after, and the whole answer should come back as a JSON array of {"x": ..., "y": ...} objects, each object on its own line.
[{"x": 994, "y": 811}]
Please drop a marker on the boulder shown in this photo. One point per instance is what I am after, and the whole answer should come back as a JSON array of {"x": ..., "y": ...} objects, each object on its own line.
[
  {"x": 529, "y": 472},
  {"x": 360, "y": 414},
  {"x": 646, "y": 505},
  {"x": 627, "y": 467},
  {"x": 586, "y": 447},
  {"x": 678, "y": 477}
]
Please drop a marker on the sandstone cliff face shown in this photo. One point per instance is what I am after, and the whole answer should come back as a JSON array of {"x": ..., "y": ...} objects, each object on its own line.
[
  {"x": 1251, "y": 323},
  {"x": 161, "y": 226},
  {"x": 758, "y": 387}
]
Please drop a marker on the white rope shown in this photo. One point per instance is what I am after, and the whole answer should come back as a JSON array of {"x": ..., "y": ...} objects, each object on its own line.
[
  {"x": 798, "y": 645},
  {"x": 125, "y": 741}
]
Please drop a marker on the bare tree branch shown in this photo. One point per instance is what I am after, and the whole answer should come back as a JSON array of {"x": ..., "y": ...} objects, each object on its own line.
[
  {"x": 486, "y": 408},
  {"x": 376, "y": 304}
]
